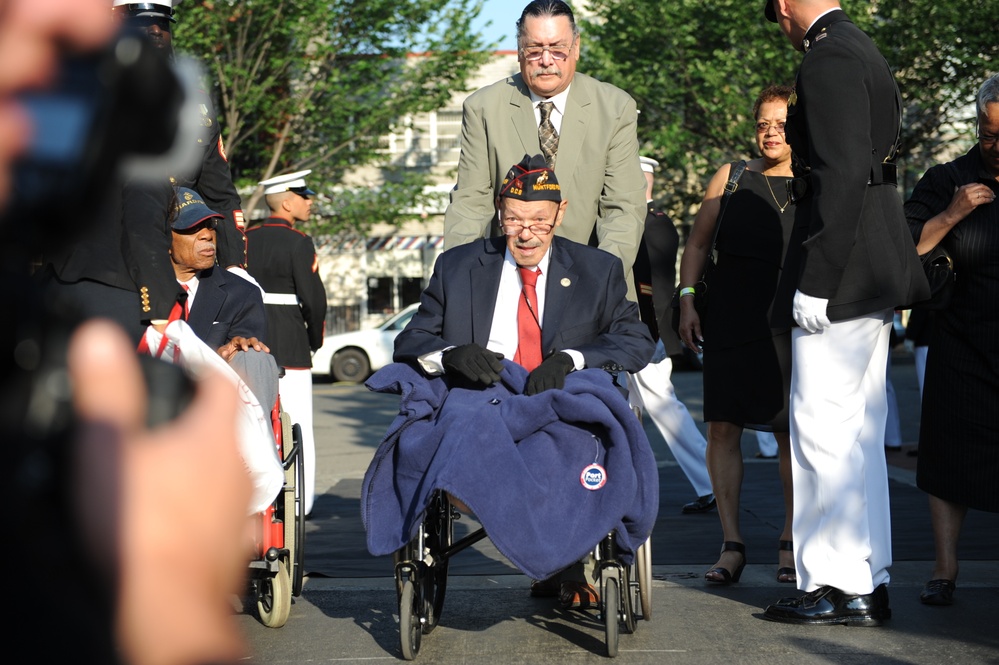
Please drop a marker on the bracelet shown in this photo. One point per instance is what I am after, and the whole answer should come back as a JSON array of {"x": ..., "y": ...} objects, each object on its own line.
[{"x": 687, "y": 291}]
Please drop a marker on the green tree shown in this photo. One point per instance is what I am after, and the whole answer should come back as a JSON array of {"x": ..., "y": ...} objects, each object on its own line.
[
  {"x": 314, "y": 84},
  {"x": 695, "y": 69},
  {"x": 941, "y": 53}
]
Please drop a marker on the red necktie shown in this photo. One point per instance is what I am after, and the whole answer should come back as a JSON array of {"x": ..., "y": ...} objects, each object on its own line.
[
  {"x": 187, "y": 309},
  {"x": 528, "y": 328}
]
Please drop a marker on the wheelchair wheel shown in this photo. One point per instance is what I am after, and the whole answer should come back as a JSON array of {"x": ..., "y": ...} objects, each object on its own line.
[
  {"x": 274, "y": 597},
  {"x": 612, "y": 603},
  {"x": 439, "y": 536},
  {"x": 298, "y": 555},
  {"x": 643, "y": 571},
  {"x": 627, "y": 600},
  {"x": 410, "y": 630}
]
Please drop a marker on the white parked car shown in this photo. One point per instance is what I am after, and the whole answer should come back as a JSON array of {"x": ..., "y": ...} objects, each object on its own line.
[{"x": 353, "y": 356}]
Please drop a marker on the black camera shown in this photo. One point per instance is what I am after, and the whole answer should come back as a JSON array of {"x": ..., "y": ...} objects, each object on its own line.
[{"x": 112, "y": 114}]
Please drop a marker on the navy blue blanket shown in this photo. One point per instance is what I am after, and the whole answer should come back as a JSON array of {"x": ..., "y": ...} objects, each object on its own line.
[{"x": 516, "y": 462}]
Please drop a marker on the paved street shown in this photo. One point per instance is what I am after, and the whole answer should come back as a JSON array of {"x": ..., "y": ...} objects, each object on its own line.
[{"x": 348, "y": 611}]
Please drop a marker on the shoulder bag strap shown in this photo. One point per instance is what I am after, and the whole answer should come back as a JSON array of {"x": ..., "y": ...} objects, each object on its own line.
[{"x": 735, "y": 172}]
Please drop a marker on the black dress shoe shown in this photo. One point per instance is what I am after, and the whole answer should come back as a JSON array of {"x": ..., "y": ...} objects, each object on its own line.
[
  {"x": 702, "y": 505},
  {"x": 938, "y": 592},
  {"x": 828, "y": 605}
]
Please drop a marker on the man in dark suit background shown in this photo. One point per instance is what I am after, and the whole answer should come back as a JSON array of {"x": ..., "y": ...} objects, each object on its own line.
[
  {"x": 480, "y": 307},
  {"x": 592, "y": 141},
  {"x": 850, "y": 261}
]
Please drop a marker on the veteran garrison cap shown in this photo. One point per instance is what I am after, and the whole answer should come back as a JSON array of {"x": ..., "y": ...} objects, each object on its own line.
[
  {"x": 768, "y": 11},
  {"x": 290, "y": 182},
  {"x": 158, "y": 9},
  {"x": 531, "y": 180},
  {"x": 190, "y": 210}
]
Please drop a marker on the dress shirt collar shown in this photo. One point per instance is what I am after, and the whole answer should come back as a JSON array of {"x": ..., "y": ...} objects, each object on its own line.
[
  {"x": 192, "y": 290},
  {"x": 559, "y": 100},
  {"x": 543, "y": 264}
]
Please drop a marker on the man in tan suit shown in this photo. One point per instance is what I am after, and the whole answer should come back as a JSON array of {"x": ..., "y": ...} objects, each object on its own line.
[{"x": 587, "y": 129}]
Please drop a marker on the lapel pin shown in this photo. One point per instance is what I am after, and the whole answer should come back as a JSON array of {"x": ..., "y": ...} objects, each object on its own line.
[{"x": 565, "y": 281}]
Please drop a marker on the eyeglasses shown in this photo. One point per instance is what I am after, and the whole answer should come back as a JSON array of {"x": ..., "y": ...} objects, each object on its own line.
[
  {"x": 764, "y": 127},
  {"x": 211, "y": 223},
  {"x": 986, "y": 140},
  {"x": 558, "y": 53},
  {"x": 537, "y": 229}
]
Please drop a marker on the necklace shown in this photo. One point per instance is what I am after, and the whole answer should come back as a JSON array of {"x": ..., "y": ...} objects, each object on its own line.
[{"x": 786, "y": 203}]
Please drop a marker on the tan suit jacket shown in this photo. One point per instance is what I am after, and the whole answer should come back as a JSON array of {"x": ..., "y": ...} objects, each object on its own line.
[{"x": 597, "y": 164}]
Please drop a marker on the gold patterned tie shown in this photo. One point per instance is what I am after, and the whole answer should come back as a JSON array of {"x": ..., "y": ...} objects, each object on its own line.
[{"x": 547, "y": 135}]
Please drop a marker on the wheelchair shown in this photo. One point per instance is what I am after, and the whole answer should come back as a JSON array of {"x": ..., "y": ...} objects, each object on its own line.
[
  {"x": 279, "y": 537},
  {"x": 421, "y": 568}
]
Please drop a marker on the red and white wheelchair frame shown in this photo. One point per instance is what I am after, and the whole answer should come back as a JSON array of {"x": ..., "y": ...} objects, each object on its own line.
[{"x": 279, "y": 532}]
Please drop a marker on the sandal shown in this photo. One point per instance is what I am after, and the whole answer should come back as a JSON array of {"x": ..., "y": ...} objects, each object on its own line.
[
  {"x": 785, "y": 574},
  {"x": 938, "y": 592},
  {"x": 722, "y": 576}
]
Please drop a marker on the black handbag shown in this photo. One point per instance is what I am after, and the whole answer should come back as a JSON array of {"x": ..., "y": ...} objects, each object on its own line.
[
  {"x": 939, "y": 268},
  {"x": 701, "y": 287}
]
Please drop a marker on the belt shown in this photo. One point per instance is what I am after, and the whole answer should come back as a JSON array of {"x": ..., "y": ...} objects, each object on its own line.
[
  {"x": 280, "y": 299},
  {"x": 800, "y": 188},
  {"x": 889, "y": 175}
]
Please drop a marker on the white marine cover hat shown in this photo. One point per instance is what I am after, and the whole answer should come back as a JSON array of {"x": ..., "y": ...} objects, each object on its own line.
[{"x": 290, "y": 182}]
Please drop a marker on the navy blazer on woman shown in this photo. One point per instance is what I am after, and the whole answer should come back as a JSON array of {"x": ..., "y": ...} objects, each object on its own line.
[
  {"x": 226, "y": 306},
  {"x": 585, "y": 306}
]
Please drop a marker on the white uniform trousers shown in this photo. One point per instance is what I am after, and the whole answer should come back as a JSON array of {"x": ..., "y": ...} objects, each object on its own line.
[
  {"x": 296, "y": 399},
  {"x": 842, "y": 523},
  {"x": 652, "y": 391}
]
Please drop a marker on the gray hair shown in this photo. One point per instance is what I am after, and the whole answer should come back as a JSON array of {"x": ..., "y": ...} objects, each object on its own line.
[
  {"x": 987, "y": 94},
  {"x": 545, "y": 9}
]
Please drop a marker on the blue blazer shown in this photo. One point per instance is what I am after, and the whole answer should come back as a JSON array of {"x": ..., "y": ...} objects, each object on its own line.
[
  {"x": 585, "y": 306},
  {"x": 227, "y": 306}
]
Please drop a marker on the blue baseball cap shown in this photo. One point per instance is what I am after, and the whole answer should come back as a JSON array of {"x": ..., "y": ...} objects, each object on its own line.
[{"x": 190, "y": 210}]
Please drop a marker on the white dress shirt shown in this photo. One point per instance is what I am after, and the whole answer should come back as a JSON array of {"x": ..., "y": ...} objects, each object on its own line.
[{"x": 559, "y": 111}]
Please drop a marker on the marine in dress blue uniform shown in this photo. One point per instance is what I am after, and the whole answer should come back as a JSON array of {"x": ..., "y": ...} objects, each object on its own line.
[
  {"x": 210, "y": 177},
  {"x": 849, "y": 263},
  {"x": 283, "y": 260}
]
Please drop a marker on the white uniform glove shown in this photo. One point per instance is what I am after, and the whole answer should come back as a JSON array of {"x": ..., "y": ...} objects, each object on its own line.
[{"x": 809, "y": 312}]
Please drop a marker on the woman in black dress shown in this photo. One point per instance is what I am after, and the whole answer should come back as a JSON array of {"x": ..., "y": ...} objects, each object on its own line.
[
  {"x": 747, "y": 364},
  {"x": 954, "y": 205}
]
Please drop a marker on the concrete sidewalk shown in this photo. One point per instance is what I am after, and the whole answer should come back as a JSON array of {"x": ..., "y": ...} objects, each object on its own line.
[{"x": 348, "y": 611}]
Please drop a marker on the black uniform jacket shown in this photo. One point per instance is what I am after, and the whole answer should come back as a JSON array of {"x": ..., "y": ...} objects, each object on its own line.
[
  {"x": 211, "y": 179},
  {"x": 850, "y": 242},
  {"x": 127, "y": 247},
  {"x": 283, "y": 260},
  {"x": 655, "y": 277}
]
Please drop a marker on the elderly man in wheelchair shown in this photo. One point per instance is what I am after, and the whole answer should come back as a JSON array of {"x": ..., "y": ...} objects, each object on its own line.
[{"x": 543, "y": 449}]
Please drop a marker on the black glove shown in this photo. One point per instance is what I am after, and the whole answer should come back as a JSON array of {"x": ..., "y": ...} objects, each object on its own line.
[
  {"x": 549, "y": 374},
  {"x": 474, "y": 363}
]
